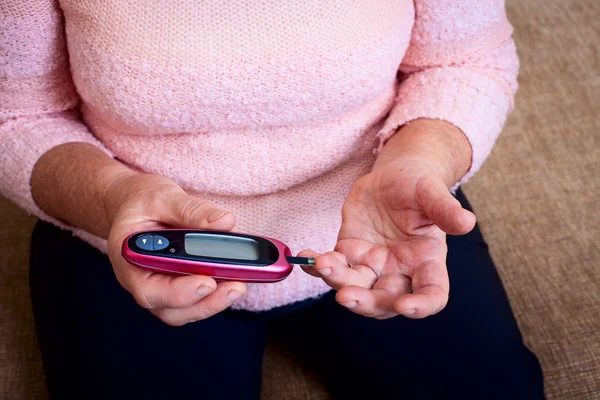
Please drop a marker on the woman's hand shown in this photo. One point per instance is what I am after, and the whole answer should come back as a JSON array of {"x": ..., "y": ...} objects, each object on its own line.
[
  {"x": 136, "y": 202},
  {"x": 390, "y": 257}
]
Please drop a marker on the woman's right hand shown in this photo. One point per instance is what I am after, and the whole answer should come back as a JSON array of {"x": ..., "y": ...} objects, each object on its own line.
[{"x": 136, "y": 202}]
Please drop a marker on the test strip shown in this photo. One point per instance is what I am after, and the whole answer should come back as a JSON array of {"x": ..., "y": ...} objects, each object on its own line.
[{"x": 305, "y": 261}]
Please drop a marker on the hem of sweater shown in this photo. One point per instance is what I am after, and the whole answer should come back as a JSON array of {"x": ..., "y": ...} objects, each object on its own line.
[
  {"x": 274, "y": 304},
  {"x": 37, "y": 136}
]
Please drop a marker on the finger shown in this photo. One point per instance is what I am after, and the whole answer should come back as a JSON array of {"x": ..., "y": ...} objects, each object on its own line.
[
  {"x": 333, "y": 268},
  {"x": 442, "y": 208},
  {"x": 377, "y": 302},
  {"x": 423, "y": 303},
  {"x": 222, "y": 298},
  {"x": 185, "y": 211},
  {"x": 430, "y": 287},
  {"x": 159, "y": 290},
  {"x": 310, "y": 269}
]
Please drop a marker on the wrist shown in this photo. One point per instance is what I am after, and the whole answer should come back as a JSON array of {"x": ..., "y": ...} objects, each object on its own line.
[
  {"x": 441, "y": 145},
  {"x": 69, "y": 182},
  {"x": 132, "y": 193},
  {"x": 112, "y": 191}
]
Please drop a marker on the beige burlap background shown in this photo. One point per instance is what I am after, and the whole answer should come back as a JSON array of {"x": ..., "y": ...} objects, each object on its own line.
[{"x": 537, "y": 199}]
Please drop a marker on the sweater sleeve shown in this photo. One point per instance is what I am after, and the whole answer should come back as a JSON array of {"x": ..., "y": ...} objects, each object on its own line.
[
  {"x": 461, "y": 67},
  {"x": 37, "y": 97}
]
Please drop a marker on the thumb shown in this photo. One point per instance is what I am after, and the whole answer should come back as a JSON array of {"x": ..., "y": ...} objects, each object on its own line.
[
  {"x": 184, "y": 211},
  {"x": 442, "y": 208}
]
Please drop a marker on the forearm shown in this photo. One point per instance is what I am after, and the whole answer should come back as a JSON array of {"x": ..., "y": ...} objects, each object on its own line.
[
  {"x": 437, "y": 142},
  {"x": 70, "y": 182}
]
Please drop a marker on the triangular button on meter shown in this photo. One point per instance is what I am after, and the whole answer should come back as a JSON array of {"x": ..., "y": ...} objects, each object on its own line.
[
  {"x": 144, "y": 242},
  {"x": 160, "y": 242}
]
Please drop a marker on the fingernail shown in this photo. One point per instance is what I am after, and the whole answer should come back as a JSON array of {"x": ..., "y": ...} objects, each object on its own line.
[
  {"x": 350, "y": 304},
  {"x": 215, "y": 215},
  {"x": 409, "y": 312},
  {"x": 203, "y": 291},
  {"x": 325, "y": 271},
  {"x": 234, "y": 295}
]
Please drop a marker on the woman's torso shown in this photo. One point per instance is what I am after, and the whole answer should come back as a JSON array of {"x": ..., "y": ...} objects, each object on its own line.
[
  {"x": 236, "y": 97},
  {"x": 268, "y": 108}
]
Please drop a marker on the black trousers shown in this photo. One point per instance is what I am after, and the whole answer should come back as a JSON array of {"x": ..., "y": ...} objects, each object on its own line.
[{"x": 97, "y": 343}]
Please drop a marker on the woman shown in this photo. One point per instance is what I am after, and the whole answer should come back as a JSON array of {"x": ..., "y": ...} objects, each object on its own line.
[{"x": 269, "y": 118}]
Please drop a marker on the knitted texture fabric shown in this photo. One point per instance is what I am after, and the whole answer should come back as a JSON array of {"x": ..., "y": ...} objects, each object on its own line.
[{"x": 271, "y": 109}]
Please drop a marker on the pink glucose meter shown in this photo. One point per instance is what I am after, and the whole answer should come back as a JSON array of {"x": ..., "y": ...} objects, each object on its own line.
[{"x": 220, "y": 255}]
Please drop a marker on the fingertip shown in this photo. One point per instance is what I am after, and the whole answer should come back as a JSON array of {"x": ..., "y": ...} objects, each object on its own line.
[
  {"x": 417, "y": 306},
  {"x": 310, "y": 270},
  {"x": 308, "y": 253},
  {"x": 463, "y": 222},
  {"x": 207, "y": 281},
  {"x": 469, "y": 220},
  {"x": 374, "y": 303},
  {"x": 329, "y": 262},
  {"x": 221, "y": 220},
  {"x": 236, "y": 290},
  {"x": 342, "y": 296},
  {"x": 453, "y": 219},
  {"x": 408, "y": 308},
  {"x": 236, "y": 286},
  {"x": 348, "y": 294}
]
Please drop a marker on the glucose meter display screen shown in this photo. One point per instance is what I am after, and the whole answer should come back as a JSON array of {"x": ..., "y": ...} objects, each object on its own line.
[{"x": 221, "y": 246}]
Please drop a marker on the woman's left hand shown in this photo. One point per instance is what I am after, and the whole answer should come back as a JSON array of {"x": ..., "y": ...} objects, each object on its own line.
[{"x": 390, "y": 256}]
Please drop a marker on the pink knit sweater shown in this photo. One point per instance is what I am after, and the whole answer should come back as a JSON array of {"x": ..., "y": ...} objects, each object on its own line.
[{"x": 269, "y": 108}]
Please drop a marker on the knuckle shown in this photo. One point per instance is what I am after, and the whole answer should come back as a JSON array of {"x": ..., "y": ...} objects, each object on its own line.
[
  {"x": 336, "y": 256},
  {"x": 179, "y": 299},
  {"x": 168, "y": 318},
  {"x": 214, "y": 307},
  {"x": 146, "y": 195},
  {"x": 141, "y": 298},
  {"x": 369, "y": 276},
  {"x": 154, "y": 199},
  {"x": 203, "y": 313},
  {"x": 174, "y": 323},
  {"x": 428, "y": 276},
  {"x": 377, "y": 255},
  {"x": 369, "y": 313},
  {"x": 193, "y": 208},
  {"x": 420, "y": 190},
  {"x": 367, "y": 309},
  {"x": 386, "y": 315}
]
